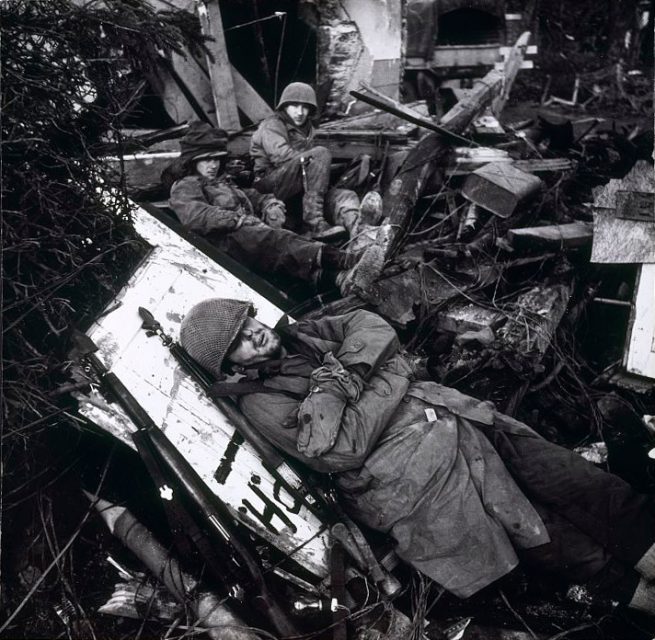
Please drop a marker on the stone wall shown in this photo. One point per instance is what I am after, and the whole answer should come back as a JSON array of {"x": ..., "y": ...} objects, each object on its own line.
[{"x": 358, "y": 41}]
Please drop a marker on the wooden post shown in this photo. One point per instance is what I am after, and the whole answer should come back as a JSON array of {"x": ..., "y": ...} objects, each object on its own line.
[{"x": 220, "y": 71}]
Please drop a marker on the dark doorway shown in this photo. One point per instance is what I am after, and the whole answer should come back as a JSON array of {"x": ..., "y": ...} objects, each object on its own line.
[{"x": 469, "y": 27}]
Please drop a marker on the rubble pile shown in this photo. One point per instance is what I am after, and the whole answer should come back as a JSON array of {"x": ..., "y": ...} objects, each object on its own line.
[
  {"x": 512, "y": 248},
  {"x": 518, "y": 253}
]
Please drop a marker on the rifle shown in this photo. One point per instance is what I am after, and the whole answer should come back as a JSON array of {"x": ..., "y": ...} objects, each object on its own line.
[
  {"x": 320, "y": 502},
  {"x": 270, "y": 457},
  {"x": 240, "y": 565}
]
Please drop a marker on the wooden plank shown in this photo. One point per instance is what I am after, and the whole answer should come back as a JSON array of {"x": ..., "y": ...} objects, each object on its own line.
[
  {"x": 391, "y": 106},
  {"x": 618, "y": 239},
  {"x": 174, "y": 277},
  {"x": 459, "y": 56},
  {"x": 248, "y": 100},
  {"x": 376, "y": 119},
  {"x": 563, "y": 236},
  {"x": 467, "y": 163},
  {"x": 220, "y": 70},
  {"x": 361, "y": 135},
  {"x": 640, "y": 348},
  {"x": 186, "y": 68},
  {"x": 185, "y": 93},
  {"x": 513, "y": 63},
  {"x": 545, "y": 165}
]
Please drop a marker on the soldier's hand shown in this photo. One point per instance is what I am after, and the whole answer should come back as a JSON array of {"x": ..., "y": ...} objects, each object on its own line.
[
  {"x": 275, "y": 214},
  {"x": 250, "y": 221}
]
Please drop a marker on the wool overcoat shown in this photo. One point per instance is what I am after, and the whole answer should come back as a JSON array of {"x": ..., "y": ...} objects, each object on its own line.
[{"x": 407, "y": 459}]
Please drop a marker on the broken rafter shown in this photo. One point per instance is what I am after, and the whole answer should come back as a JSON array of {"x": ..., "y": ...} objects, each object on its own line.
[{"x": 396, "y": 109}]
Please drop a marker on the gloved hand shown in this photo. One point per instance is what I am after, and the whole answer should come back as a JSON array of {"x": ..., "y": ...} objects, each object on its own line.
[
  {"x": 247, "y": 220},
  {"x": 274, "y": 214},
  {"x": 320, "y": 413}
]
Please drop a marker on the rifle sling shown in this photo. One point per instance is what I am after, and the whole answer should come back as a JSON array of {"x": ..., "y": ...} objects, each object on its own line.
[{"x": 226, "y": 389}]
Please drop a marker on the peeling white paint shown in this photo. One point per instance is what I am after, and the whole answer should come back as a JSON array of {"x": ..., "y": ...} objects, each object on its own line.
[{"x": 170, "y": 281}]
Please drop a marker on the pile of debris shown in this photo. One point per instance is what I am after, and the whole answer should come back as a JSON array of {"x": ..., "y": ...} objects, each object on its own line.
[
  {"x": 494, "y": 239},
  {"x": 496, "y": 236}
]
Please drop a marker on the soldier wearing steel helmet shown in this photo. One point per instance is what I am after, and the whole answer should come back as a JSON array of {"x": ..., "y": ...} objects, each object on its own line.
[
  {"x": 288, "y": 162},
  {"x": 465, "y": 491},
  {"x": 247, "y": 224}
]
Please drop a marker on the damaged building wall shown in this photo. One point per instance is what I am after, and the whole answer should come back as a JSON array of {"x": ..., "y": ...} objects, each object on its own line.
[{"x": 358, "y": 41}]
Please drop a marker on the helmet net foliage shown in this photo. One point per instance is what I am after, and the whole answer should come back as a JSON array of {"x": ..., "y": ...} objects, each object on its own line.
[{"x": 209, "y": 329}]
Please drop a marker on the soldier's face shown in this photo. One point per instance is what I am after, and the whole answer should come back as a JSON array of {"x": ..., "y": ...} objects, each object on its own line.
[
  {"x": 298, "y": 112},
  {"x": 255, "y": 343},
  {"x": 209, "y": 167}
]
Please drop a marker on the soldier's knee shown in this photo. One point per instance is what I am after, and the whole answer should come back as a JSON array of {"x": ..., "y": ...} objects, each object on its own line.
[{"x": 321, "y": 154}]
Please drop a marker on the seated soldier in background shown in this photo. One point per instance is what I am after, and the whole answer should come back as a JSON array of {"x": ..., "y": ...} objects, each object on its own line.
[
  {"x": 246, "y": 224},
  {"x": 464, "y": 490},
  {"x": 288, "y": 162}
]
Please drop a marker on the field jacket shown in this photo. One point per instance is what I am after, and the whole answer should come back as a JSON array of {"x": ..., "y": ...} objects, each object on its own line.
[
  {"x": 207, "y": 206},
  {"x": 278, "y": 140},
  {"x": 407, "y": 458}
]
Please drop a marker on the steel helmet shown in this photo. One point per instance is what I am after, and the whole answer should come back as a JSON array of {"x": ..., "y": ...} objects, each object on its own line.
[
  {"x": 298, "y": 92},
  {"x": 209, "y": 329}
]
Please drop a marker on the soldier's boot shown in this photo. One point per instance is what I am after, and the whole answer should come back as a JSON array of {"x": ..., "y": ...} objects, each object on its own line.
[
  {"x": 371, "y": 208},
  {"x": 314, "y": 219},
  {"x": 360, "y": 279},
  {"x": 350, "y": 220}
]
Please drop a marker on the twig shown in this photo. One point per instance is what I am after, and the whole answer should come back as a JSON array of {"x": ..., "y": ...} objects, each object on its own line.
[
  {"x": 518, "y": 616},
  {"x": 55, "y": 561}
]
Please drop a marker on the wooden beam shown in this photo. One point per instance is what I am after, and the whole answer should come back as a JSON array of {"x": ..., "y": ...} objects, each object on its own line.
[
  {"x": 474, "y": 102},
  {"x": 380, "y": 101},
  {"x": 220, "y": 70},
  {"x": 513, "y": 62},
  {"x": 248, "y": 100},
  {"x": 573, "y": 234},
  {"x": 426, "y": 162}
]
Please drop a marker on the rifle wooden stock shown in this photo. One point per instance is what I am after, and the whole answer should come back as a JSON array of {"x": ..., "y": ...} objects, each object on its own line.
[{"x": 215, "y": 514}]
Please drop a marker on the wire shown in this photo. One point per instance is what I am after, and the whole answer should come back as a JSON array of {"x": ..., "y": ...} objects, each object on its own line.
[
  {"x": 277, "y": 14},
  {"x": 279, "y": 58}
]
